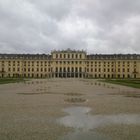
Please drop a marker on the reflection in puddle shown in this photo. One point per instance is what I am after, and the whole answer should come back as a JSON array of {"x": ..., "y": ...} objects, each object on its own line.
[
  {"x": 82, "y": 135},
  {"x": 80, "y": 119}
]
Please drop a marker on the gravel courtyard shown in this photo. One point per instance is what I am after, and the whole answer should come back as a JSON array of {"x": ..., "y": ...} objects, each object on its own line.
[{"x": 30, "y": 110}]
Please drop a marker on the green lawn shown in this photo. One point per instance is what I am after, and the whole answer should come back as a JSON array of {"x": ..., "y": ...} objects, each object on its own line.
[
  {"x": 10, "y": 80},
  {"x": 126, "y": 82}
]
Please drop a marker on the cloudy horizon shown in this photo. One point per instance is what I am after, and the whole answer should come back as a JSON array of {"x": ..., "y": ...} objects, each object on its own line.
[{"x": 96, "y": 26}]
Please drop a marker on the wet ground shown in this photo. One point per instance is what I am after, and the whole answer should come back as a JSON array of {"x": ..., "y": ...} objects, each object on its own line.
[
  {"x": 69, "y": 109},
  {"x": 82, "y": 121}
]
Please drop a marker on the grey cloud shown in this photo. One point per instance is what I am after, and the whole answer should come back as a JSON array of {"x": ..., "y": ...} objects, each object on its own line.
[
  {"x": 56, "y": 9},
  {"x": 33, "y": 26}
]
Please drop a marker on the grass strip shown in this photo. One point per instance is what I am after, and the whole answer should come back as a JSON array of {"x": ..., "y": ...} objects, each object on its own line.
[
  {"x": 135, "y": 83},
  {"x": 11, "y": 80}
]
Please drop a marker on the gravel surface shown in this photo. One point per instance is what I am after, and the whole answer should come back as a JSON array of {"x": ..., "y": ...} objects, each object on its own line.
[{"x": 28, "y": 111}]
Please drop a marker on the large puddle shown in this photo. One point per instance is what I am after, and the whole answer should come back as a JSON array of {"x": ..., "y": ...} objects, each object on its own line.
[{"x": 83, "y": 122}]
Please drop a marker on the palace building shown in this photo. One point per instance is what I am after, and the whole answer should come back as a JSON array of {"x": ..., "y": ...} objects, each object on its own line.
[{"x": 70, "y": 64}]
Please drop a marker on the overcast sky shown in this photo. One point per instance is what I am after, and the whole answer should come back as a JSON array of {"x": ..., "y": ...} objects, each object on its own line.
[{"x": 97, "y": 26}]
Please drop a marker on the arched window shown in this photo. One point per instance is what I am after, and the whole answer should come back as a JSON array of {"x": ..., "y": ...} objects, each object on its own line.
[{"x": 68, "y": 69}]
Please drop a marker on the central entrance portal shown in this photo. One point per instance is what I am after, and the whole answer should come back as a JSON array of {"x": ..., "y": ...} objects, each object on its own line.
[{"x": 68, "y": 75}]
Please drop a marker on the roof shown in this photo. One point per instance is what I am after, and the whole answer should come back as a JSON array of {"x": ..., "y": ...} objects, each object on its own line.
[
  {"x": 25, "y": 56},
  {"x": 113, "y": 56}
]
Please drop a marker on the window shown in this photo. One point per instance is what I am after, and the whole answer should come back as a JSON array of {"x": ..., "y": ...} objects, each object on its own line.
[
  {"x": 95, "y": 75},
  {"x": 13, "y": 63},
  {"x": 112, "y": 76},
  {"x": 128, "y": 63},
  {"x": 60, "y": 69},
  {"x": 9, "y": 63},
  {"x": 28, "y": 62},
  {"x": 56, "y": 55},
  {"x": 60, "y": 55},
  {"x": 72, "y": 69},
  {"x": 56, "y": 69},
  {"x": 72, "y": 55},
  {"x": 118, "y": 75},
  {"x": 64, "y": 69}
]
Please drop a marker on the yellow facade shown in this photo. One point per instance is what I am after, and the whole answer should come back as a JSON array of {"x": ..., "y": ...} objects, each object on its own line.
[{"x": 70, "y": 63}]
